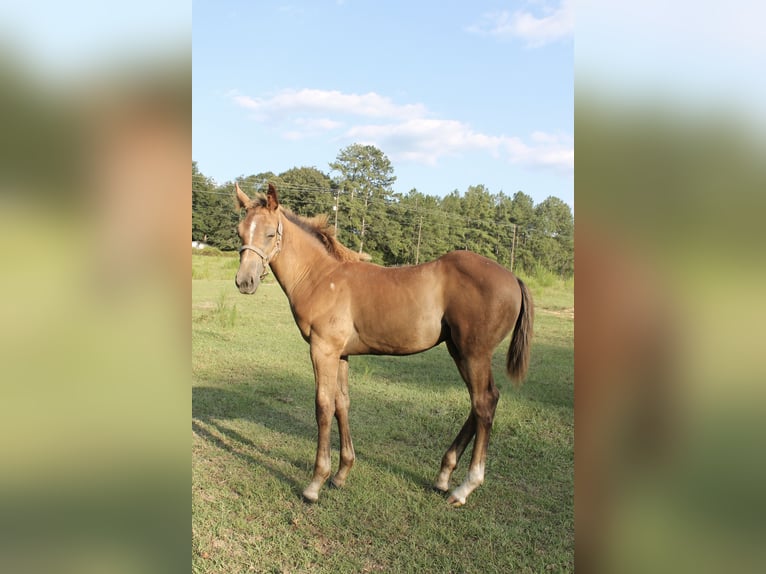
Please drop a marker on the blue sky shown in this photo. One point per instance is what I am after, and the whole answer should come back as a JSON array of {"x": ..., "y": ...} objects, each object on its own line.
[
  {"x": 699, "y": 57},
  {"x": 454, "y": 93},
  {"x": 64, "y": 39}
]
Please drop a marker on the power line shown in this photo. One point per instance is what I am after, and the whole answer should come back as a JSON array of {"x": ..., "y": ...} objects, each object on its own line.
[
  {"x": 436, "y": 213},
  {"x": 309, "y": 188},
  {"x": 329, "y": 195}
]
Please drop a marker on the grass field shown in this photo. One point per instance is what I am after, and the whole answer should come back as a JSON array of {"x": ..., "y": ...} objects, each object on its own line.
[{"x": 254, "y": 436}]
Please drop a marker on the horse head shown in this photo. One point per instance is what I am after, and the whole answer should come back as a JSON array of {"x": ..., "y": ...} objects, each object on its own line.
[{"x": 261, "y": 234}]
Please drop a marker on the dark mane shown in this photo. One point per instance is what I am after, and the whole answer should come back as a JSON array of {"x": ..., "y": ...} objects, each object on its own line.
[{"x": 319, "y": 228}]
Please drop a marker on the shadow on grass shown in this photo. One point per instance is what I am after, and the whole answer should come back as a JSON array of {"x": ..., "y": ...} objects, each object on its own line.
[
  {"x": 260, "y": 460},
  {"x": 285, "y": 405},
  {"x": 267, "y": 406},
  {"x": 435, "y": 370}
]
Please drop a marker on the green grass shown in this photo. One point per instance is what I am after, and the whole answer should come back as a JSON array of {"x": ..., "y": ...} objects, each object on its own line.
[
  {"x": 254, "y": 437},
  {"x": 556, "y": 294},
  {"x": 221, "y": 265}
]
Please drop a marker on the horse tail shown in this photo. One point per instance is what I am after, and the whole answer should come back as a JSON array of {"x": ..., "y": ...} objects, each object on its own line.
[{"x": 518, "y": 352}]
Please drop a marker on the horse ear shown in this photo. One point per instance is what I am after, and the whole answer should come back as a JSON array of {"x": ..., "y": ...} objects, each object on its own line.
[
  {"x": 242, "y": 198},
  {"x": 271, "y": 198}
]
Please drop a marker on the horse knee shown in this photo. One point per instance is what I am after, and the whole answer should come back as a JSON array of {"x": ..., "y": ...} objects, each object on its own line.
[{"x": 325, "y": 411}]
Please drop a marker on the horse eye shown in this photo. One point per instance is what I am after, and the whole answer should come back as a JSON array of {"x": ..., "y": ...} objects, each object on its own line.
[{"x": 271, "y": 234}]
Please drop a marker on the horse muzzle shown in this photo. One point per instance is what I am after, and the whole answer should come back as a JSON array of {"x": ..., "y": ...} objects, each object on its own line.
[{"x": 248, "y": 283}]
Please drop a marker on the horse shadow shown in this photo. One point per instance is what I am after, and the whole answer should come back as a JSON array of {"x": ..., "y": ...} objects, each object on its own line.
[
  {"x": 212, "y": 406},
  {"x": 263, "y": 399},
  {"x": 241, "y": 453}
]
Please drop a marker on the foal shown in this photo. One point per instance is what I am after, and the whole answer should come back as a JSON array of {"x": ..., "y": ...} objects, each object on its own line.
[{"x": 345, "y": 306}]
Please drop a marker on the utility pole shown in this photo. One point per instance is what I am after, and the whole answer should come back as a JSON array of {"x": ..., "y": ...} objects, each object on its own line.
[
  {"x": 417, "y": 250},
  {"x": 335, "y": 209},
  {"x": 513, "y": 246},
  {"x": 361, "y": 236},
  {"x": 364, "y": 217}
]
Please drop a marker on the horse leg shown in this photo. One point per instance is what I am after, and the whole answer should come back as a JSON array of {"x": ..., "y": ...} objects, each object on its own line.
[
  {"x": 454, "y": 452},
  {"x": 326, "y": 368},
  {"x": 466, "y": 434},
  {"x": 484, "y": 398},
  {"x": 342, "y": 403}
]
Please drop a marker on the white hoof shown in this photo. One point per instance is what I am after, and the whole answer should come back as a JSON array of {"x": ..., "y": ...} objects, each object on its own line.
[{"x": 311, "y": 494}]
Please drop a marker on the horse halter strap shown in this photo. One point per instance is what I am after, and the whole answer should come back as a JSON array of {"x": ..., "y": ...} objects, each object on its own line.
[{"x": 264, "y": 257}]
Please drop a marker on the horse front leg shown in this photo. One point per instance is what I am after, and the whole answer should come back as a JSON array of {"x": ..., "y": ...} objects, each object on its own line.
[{"x": 326, "y": 378}]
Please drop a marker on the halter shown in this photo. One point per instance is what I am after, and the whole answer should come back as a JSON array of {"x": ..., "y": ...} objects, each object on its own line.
[{"x": 266, "y": 258}]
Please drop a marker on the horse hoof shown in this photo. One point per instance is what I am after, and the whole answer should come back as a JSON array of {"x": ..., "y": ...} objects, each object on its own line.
[
  {"x": 334, "y": 484},
  {"x": 309, "y": 497},
  {"x": 455, "y": 502}
]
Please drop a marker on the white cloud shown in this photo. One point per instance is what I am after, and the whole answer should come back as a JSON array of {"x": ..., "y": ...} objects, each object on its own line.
[
  {"x": 319, "y": 123},
  {"x": 370, "y": 104},
  {"x": 405, "y": 132},
  {"x": 548, "y": 151},
  {"x": 311, "y": 127},
  {"x": 429, "y": 140},
  {"x": 426, "y": 140},
  {"x": 554, "y": 24}
]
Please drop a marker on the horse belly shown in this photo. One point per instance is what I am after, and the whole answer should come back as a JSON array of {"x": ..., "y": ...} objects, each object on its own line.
[{"x": 400, "y": 333}]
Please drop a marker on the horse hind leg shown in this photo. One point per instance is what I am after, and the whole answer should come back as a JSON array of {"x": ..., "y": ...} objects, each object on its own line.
[
  {"x": 477, "y": 374},
  {"x": 466, "y": 434},
  {"x": 454, "y": 452}
]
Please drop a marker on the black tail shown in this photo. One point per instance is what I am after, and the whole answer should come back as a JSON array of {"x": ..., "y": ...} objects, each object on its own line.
[{"x": 518, "y": 352}]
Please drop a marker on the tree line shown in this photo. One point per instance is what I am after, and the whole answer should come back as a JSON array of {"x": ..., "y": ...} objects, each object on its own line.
[{"x": 398, "y": 228}]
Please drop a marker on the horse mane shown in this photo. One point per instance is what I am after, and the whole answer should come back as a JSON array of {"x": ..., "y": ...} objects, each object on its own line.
[{"x": 319, "y": 228}]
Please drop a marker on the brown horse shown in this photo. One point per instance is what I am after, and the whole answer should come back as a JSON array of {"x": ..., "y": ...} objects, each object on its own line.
[{"x": 345, "y": 306}]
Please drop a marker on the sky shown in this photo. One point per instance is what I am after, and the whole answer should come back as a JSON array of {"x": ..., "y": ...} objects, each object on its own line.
[
  {"x": 701, "y": 57},
  {"x": 454, "y": 93},
  {"x": 76, "y": 35}
]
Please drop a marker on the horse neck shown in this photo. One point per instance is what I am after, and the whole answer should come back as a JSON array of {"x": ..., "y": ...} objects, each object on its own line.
[{"x": 301, "y": 261}]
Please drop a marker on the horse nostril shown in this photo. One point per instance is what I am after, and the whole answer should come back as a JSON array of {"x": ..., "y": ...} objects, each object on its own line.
[{"x": 246, "y": 284}]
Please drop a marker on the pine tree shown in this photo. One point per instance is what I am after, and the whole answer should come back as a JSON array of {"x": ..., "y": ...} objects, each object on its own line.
[{"x": 364, "y": 182}]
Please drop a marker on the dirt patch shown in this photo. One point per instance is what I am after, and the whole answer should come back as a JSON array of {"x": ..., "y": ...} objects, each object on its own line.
[{"x": 568, "y": 312}]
